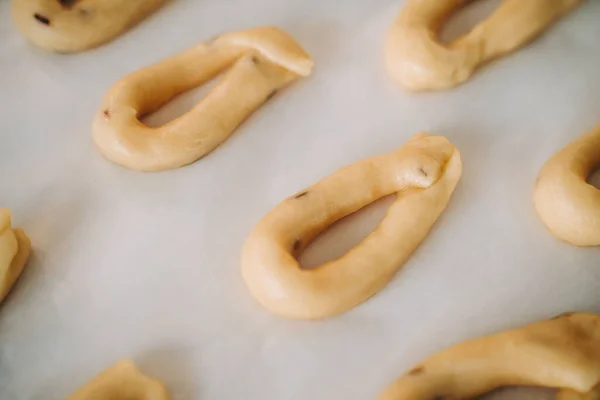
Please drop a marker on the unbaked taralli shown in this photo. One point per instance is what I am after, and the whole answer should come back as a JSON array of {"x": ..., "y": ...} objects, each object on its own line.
[
  {"x": 423, "y": 173},
  {"x": 562, "y": 353},
  {"x": 14, "y": 253},
  {"x": 68, "y": 26},
  {"x": 417, "y": 60},
  {"x": 567, "y": 204},
  {"x": 262, "y": 60},
  {"x": 122, "y": 381}
]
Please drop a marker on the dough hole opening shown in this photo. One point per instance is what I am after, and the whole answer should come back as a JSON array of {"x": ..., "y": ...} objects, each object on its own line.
[
  {"x": 463, "y": 20},
  {"x": 344, "y": 234},
  {"x": 179, "y": 104},
  {"x": 594, "y": 177},
  {"x": 521, "y": 393}
]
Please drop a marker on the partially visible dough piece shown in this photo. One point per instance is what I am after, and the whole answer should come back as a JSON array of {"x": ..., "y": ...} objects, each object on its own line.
[
  {"x": 261, "y": 61},
  {"x": 418, "y": 61},
  {"x": 122, "y": 381},
  {"x": 567, "y": 204},
  {"x": 562, "y": 353},
  {"x": 68, "y": 26},
  {"x": 14, "y": 252},
  {"x": 566, "y": 394}
]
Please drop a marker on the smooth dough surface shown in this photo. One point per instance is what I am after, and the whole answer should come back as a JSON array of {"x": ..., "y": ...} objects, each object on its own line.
[
  {"x": 418, "y": 61},
  {"x": 261, "y": 61},
  {"x": 14, "y": 252},
  {"x": 567, "y": 204},
  {"x": 423, "y": 173},
  {"x": 122, "y": 381},
  {"x": 562, "y": 353},
  {"x": 68, "y": 26}
]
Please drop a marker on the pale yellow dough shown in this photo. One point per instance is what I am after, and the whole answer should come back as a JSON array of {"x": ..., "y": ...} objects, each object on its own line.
[
  {"x": 423, "y": 173},
  {"x": 14, "y": 252},
  {"x": 566, "y": 203},
  {"x": 68, "y": 26},
  {"x": 262, "y": 61},
  {"x": 562, "y": 353},
  {"x": 122, "y": 381},
  {"x": 418, "y": 61}
]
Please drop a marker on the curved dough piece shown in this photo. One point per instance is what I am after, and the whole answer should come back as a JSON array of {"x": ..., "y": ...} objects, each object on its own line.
[
  {"x": 418, "y": 61},
  {"x": 262, "y": 61},
  {"x": 14, "y": 252},
  {"x": 566, "y": 203},
  {"x": 68, "y": 26},
  {"x": 423, "y": 173},
  {"x": 563, "y": 352},
  {"x": 122, "y": 381}
]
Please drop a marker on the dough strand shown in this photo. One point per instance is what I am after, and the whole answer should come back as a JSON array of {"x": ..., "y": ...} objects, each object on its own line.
[{"x": 423, "y": 173}]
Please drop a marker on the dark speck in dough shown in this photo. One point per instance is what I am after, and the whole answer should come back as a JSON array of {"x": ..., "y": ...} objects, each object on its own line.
[
  {"x": 416, "y": 371},
  {"x": 67, "y": 3},
  {"x": 41, "y": 19}
]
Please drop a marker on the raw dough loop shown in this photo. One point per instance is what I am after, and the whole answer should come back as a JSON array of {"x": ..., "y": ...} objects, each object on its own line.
[
  {"x": 423, "y": 173},
  {"x": 122, "y": 381},
  {"x": 14, "y": 252},
  {"x": 562, "y": 353},
  {"x": 262, "y": 61},
  {"x": 566, "y": 203},
  {"x": 418, "y": 61},
  {"x": 68, "y": 26}
]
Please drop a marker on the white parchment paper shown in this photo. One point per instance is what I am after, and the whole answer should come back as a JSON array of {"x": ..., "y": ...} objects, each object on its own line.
[{"x": 146, "y": 265}]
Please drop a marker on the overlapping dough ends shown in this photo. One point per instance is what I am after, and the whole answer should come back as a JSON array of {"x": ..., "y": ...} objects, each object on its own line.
[
  {"x": 417, "y": 60},
  {"x": 122, "y": 381},
  {"x": 423, "y": 173},
  {"x": 273, "y": 43},
  {"x": 561, "y": 353},
  {"x": 259, "y": 62},
  {"x": 77, "y": 25},
  {"x": 14, "y": 252},
  {"x": 567, "y": 204}
]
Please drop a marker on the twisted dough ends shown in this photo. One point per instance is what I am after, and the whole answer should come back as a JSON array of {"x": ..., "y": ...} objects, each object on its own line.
[
  {"x": 565, "y": 202},
  {"x": 563, "y": 353},
  {"x": 14, "y": 252},
  {"x": 123, "y": 380},
  {"x": 274, "y": 44}
]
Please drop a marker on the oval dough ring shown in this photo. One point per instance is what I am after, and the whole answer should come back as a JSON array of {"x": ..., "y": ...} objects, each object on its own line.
[
  {"x": 14, "y": 253},
  {"x": 262, "y": 60},
  {"x": 123, "y": 380},
  {"x": 68, "y": 26},
  {"x": 563, "y": 352},
  {"x": 418, "y": 61},
  {"x": 566, "y": 203},
  {"x": 423, "y": 173}
]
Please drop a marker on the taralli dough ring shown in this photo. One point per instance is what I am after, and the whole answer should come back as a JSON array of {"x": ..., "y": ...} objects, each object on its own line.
[
  {"x": 122, "y": 381},
  {"x": 262, "y": 61},
  {"x": 68, "y": 26},
  {"x": 418, "y": 61},
  {"x": 423, "y": 173},
  {"x": 562, "y": 353},
  {"x": 14, "y": 252},
  {"x": 566, "y": 203}
]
